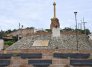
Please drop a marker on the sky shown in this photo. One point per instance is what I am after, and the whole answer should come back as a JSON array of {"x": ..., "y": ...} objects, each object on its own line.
[{"x": 38, "y": 13}]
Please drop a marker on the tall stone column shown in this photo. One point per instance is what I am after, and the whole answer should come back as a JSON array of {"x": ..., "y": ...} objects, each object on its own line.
[{"x": 55, "y": 26}]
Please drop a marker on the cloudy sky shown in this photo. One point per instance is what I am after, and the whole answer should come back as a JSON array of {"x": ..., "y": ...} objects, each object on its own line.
[{"x": 37, "y": 13}]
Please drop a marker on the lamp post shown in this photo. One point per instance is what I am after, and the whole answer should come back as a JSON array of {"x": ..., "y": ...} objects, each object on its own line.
[
  {"x": 84, "y": 24},
  {"x": 76, "y": 30}
]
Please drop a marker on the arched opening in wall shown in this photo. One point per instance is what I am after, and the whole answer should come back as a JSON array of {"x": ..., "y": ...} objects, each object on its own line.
[{"x": 41, "y": 65}]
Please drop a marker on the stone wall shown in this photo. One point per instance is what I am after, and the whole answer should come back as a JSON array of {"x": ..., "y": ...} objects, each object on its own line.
[{"x": 67, "y": 42}]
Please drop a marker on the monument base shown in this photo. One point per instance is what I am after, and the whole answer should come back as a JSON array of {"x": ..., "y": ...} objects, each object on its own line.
[{"x": 56, "y": 32}]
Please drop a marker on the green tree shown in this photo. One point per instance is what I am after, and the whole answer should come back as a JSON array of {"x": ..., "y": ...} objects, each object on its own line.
[
  {"x": 8, "y": 31},
  {"x": 2, "y": 34},
  {"x": 48, "y": 30},
  {"x": 9, "y": 42},
  {"x": 68, "y": 29}
]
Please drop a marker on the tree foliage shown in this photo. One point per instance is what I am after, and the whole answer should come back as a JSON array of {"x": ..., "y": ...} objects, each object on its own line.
[
  {"x": 68, "y": 29},
  {"x": 86, "y": 31},
  {"x": 9, "y": 42},
  {"x": 48, "y": 30}
]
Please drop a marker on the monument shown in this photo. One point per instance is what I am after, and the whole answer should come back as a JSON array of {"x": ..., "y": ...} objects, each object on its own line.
[
  {"x": 55, "y": 25},
  {"x": 1, "y": 44}
]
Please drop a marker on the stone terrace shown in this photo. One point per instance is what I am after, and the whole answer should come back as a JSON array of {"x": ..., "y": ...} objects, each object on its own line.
[{"x": 63, "y": 42}]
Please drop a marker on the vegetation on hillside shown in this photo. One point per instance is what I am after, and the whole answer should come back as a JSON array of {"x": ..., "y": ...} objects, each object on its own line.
[
  {"x": 8, "y": 41},
  {"x": 86, "y": 31}
]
